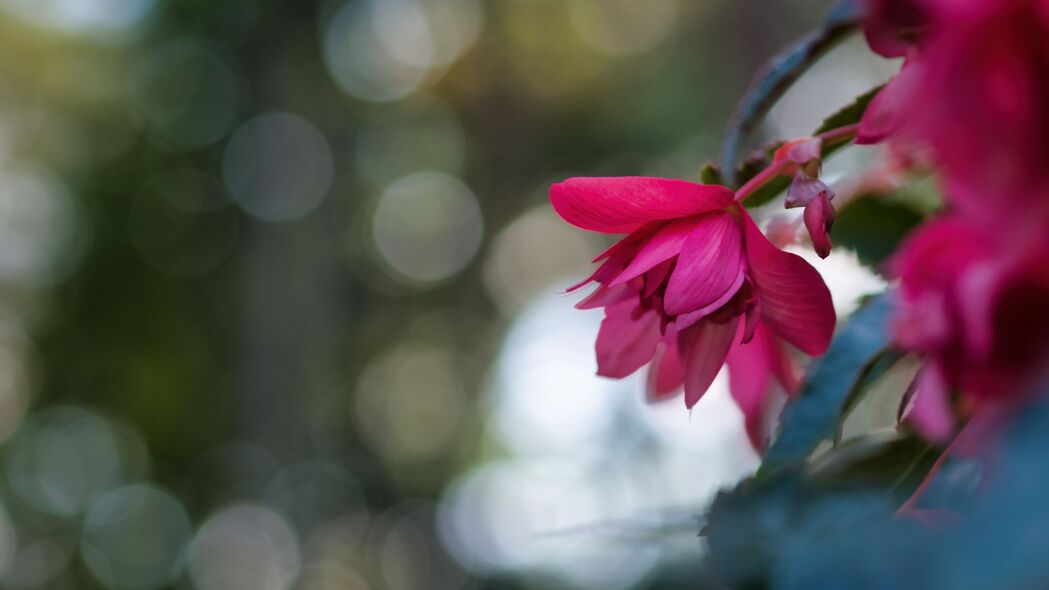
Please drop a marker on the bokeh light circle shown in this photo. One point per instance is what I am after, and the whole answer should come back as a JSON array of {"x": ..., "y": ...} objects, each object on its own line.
[
  {"x": 134, "y": 538},
  {"x": 245, "y": 547},
  {"x": 89, "y": 17},
  {"x": 62, "y": 459},
  {"x": 278, "y": 166},
  {"x": 427, "y": 227}
]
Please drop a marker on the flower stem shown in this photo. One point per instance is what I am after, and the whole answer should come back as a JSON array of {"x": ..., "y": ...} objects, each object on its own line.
[{"x": 846, "y": 133}]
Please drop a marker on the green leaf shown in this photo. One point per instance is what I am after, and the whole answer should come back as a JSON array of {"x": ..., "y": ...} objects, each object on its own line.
[
  {"x": 873, "y": 226},
  {"x": 850, "y": 114},
  {"x": 813, "y": 414},
  {"x": 779, "y": 74},
  {"x": 896, "y": 463},
  {"x": 875, "y": 369}
]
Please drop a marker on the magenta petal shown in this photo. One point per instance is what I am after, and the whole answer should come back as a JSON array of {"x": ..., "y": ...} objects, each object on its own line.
[
  {"x": 624, "y": 204},
  {"x": 708, "y": 266},
  {"x": 931, "y": 412},
  {"x": 704, "y": 347},
  {"x": 666, "y": 374},
  {"x": 627, "y": 339},
  {"x": 603, "y": 296},
  {"x": 803, "y": 190},
  {"x": 687, "y": 319},
  {"x": 795, "y": 303},
  {"x": 750, "y": 379},
  {"x": 819, "y": 217},
  {"x": 662, "y": 246},
  {"x": 887, "y": 111},
  {"x": 656, "y": 277}
]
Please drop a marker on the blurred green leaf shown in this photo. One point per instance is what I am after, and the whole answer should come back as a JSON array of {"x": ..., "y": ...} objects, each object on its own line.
[
  {"x": 813, "y": 414},
  {"x": 875, "y": 369},
  {"x": 873, "y": 226},
  {"x": 779, "y": 74},
  {"x": 710, "y": 173},
  {"x": 896, "y": 463}
]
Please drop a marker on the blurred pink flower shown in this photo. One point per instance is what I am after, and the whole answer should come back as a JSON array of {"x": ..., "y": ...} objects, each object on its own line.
[
  {"x": 973, "y": 301},
  {"x": 974, "y": 89},
  {"x": 693, "y": 284}
]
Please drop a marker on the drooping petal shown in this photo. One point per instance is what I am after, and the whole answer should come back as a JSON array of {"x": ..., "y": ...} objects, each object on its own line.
[
  {"x": 627, "y": 339},
  {"x": 708, "y": 266},
  {"x": 795, "y": 302},
  {"x": 750, "y": 382},
  {"x": 624, "y": 204},
  {"x": 803, "y": 189},
  {"x": 704, "y": 347},
  {"x": 662, "y": 246},
  {"x": 819, "y": 217},
  {"x": 665, "y": 374}
]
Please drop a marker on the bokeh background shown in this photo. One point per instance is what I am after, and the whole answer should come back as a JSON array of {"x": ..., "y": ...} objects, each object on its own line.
[{"x": 280, "y": 291}]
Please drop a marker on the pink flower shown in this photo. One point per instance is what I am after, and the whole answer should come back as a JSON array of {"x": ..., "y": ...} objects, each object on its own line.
[
  {"x": 693, "y": 284},
  {"x": 892, "y": 26},
  {"x": 973, "y": 302},
  {"x": 974, "y": 89}
]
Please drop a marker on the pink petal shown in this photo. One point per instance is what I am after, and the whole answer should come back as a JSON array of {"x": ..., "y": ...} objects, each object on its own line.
[
  {"x": 687, "y": 319},
  {"x": 656, "y": 277},
  {"x": 750, "y": 382},
  {"x": 624, "y": 204},
  {"x": 887, "y": 111},
  {"x": 704, "y": 347},
  {"x": 931, "y": 412},
  {"x": 627, "y": 339},
  {"x": 708, "y": 266},
  {"x": 819, "y": 217},
  {"x": 603, "y": 296},
  {"x": 662, "y": 246},
  {"x": 795, "y": 303},
  {"x": 666, "y": 374}
]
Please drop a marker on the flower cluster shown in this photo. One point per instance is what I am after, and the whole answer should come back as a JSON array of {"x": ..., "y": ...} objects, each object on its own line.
[
  {"x": 695, "y": 284},
  {"x": 972, "y": 94}
]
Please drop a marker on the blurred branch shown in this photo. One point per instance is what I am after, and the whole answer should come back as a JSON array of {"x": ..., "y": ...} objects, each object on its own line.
[{"x": 779, "y": 74}]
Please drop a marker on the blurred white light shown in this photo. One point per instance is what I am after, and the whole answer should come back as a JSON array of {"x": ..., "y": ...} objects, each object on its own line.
[
  {"x": 427, "y": 226},
  {"x": 541, "y": 514},
  {"x": 245, "y": 547},
  {"x": 62, "y": 459},
  {"x": 623, "y": 27},
  {"x": 278, "y": 166},
  {"x": 182, "y": 224},
  {"x": 39, "y": 239},
  {"x": 134, "y": 538},
  {"x": 394, "y": 140},
  {"x": 549, "y": 397},
  {"x": 187, "y": 94},
  {"x": 93, "y": 17},
  {"x": 847, "y": 279}
]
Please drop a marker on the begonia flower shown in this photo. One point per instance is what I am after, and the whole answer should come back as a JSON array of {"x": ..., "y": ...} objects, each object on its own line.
[{"x": 694, "y": 283}]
